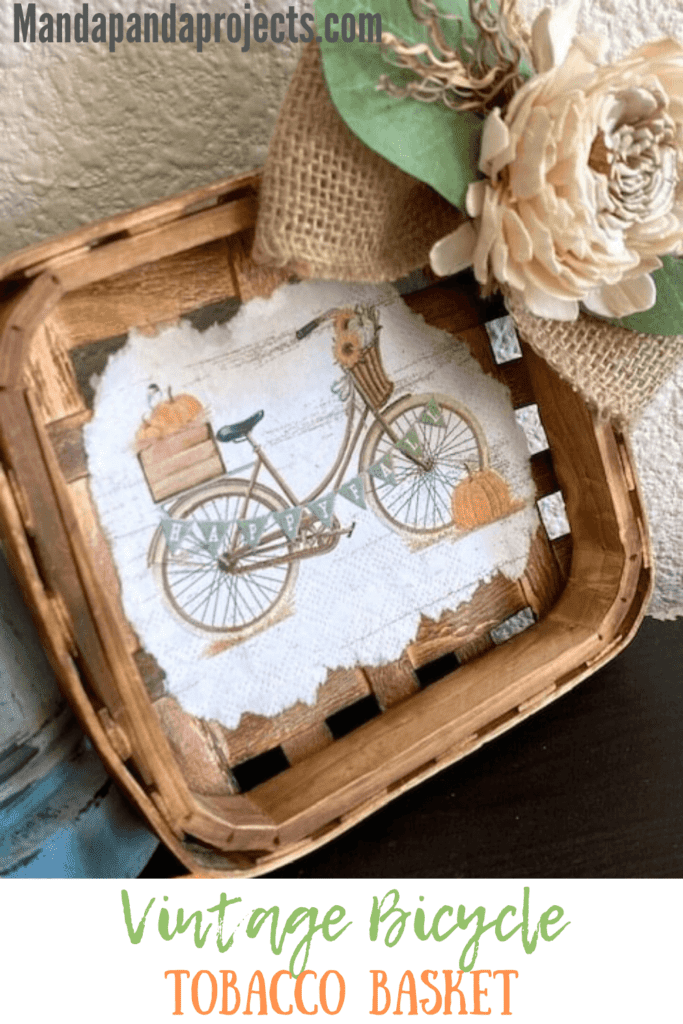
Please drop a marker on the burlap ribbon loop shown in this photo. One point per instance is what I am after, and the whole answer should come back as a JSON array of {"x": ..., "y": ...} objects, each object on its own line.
[
  {"x": 615, "y": 371},
  {"x": 332, "y": 208}
]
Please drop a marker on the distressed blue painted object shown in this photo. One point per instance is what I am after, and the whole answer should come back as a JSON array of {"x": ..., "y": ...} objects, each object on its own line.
[{"x": 60, "y": 815}]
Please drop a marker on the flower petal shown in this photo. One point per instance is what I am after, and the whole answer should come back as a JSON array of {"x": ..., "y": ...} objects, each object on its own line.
[
  {"x": 623, "y": 299},
  {"x": 490, "y": 227},
  {"x": 593, "y": 47},
  {"x": 552, "y": 33},
  {"x": 594, "y": 303},
  {"x": 527, "y": 173},
  {"x": 454, "y": 252},
  {"x": 665, "y": 48},
  {"x": 474, "y": 201},
  {"x": 494, "y": 139},
  {"x": 517, "y": 236},
  {"x": 549, "y": 306}
]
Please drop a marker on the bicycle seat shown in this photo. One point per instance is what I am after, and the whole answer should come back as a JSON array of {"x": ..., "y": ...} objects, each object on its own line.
[{"x": 238, "y": 431}]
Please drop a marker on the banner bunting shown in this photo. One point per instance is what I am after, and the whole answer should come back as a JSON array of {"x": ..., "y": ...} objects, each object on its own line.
[
  {"x": 288, "y": 521},
  {"x": 354, "y": 491},
  {"x": 175, "y": 531},
  {"x": 384, "y": 470},
  {"x": 432, "y": 414},
  {"x": 410, "y": 443},
  {"x": 252, "y": 529},
  {"x": 323, "y": 508},
  {"x": 212, "y": 534}
]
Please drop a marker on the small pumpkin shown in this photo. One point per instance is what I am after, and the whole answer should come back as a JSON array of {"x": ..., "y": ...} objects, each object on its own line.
[
  {"x": 482, "y": 497},
  {"x": 169, "y": 416}
]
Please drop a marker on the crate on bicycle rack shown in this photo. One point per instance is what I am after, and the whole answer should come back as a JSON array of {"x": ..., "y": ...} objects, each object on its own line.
[
  {"x": 183, "y": 458},
  {"x": 242, "y": 801}
]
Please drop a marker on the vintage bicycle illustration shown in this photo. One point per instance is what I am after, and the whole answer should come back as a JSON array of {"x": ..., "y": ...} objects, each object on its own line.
[{"x": 227, "y": 552}]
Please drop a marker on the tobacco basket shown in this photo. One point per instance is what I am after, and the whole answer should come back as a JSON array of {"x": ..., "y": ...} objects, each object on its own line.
[{"x": 243, "y": 802}]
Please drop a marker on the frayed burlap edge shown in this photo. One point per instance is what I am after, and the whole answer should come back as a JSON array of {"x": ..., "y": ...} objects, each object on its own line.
[
  {"x": 615, "y": 371},
  {"x": 330, "y": 207}
]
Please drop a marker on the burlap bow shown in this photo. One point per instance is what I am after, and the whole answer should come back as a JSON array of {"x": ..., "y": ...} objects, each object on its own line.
[{"x": 332, "y": 208}]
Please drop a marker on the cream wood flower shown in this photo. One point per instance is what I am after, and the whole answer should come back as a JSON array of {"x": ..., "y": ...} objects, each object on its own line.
[{"x": 584, "y": 178}]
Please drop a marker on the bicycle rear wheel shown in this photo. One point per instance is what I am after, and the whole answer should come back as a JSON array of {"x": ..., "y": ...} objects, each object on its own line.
[{"x": 200, "y": 586}]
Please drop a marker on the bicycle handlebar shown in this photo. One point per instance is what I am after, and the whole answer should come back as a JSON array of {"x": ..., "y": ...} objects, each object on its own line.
[
  {"x": 303, "y": 332},
  {"x": 307, "y": 329}
]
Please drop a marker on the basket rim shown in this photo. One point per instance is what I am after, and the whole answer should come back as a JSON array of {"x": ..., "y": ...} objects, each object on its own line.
[{"x": 145, "y": 217}]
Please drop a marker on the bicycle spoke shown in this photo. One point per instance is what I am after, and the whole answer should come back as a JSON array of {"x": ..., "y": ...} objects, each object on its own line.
[
  {"x": 214, "y": 589},
  {"x": 186, "y": 589},
  {"x": 256, "y": 591},
  {"x": 215, "y": 604},
  {"x": 203, "y": 587},
  {"x": 431, "y": 499},
  {"x": 198, "y": 598},
  {"x": 248, "y": 597}
]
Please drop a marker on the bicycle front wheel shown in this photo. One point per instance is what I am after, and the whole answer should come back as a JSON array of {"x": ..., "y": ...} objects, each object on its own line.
[
  {"x": 420, "y": 499},
  {"x": 203, "y": 588}
]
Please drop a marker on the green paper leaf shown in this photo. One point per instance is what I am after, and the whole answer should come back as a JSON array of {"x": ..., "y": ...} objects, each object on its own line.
[
  {"x": 436, "y": 145},
  {"x": 666, "y": 316}
]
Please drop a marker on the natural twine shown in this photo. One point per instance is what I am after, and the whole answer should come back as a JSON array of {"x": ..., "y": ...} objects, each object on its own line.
[{"x": 332, "y": 208}]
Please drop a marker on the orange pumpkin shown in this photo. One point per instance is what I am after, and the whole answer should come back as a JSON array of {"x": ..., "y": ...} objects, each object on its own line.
[
  {"x": 169, "y": 416},
  {"x": 481, "y": 498}
]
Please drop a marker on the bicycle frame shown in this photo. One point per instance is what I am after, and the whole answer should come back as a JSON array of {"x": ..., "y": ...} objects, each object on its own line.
[
  {"x": 352, "y": 436},
  {"x": 418, "y": 508}
]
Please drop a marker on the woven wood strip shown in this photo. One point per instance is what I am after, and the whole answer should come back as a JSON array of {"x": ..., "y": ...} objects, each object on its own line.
[{"x": 257, "y": 734}]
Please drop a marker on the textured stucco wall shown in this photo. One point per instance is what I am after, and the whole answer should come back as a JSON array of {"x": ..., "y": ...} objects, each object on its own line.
[{"x": 87, "y": 133}]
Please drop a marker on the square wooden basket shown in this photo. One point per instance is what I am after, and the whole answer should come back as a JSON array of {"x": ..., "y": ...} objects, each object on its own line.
[{"x": 242, "y": 802}]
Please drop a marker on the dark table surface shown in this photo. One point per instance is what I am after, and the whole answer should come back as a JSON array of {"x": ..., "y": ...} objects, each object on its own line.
[{"x": 589, "y": 787}]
